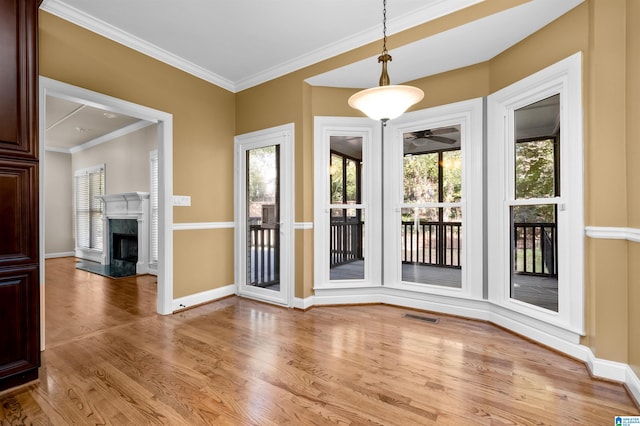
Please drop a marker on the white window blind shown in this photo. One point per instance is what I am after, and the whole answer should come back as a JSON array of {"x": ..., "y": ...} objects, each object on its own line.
[
  {"x": 153, "y": 201},
  {"x": 89, "y": 186}
]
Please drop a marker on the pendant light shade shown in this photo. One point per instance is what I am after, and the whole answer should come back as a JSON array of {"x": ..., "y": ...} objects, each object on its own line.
[{"x": 386, "y": 102}]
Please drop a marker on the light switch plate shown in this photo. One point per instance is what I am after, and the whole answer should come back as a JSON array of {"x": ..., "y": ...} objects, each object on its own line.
[{"x": 181, "y": 200}]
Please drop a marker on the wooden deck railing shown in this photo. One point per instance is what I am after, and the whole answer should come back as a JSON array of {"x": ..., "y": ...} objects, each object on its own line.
[
  {"x": 264, "y": 258},
  {"x": 536, "y": 249},
  {"x": 432, "y": 243},
  {"x": 346, "y": 242}
]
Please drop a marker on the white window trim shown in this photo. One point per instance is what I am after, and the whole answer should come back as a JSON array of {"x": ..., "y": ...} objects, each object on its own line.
[
  {"x": 562, "y": 78},
  {"x": 467, "y": 114},
  {"x": 369, "y": 130},
  {"x": 86, "y": 253}
]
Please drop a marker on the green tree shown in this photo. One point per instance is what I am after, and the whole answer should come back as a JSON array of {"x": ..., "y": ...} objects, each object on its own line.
[{"x": 535, "y": 177}]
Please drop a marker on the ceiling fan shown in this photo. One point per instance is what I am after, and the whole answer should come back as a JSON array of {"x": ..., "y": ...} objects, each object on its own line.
[{"x": 422, "y": 137}]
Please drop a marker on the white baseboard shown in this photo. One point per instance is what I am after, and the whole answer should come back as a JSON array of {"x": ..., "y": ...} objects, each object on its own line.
[
  {"x": 483, "y": 310},
  {"x": 633, "y": 383},
  {"x": 299, "y": 303},
  {"x": 61, "y": 254},
  {"x": 203, "y": 297}
]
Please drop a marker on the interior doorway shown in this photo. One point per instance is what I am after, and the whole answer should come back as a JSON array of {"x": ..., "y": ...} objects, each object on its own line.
[{"x": 164, "y": 123}]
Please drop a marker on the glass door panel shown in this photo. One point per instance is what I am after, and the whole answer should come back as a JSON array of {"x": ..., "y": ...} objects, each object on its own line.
[
  {"x": 263, "y": 213},
  {"x": 533, "y": 211}
]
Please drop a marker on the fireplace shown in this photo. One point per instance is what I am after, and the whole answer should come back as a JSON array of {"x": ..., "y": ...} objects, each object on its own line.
[
  {"x": 123, "y": 245},
  {"x": 125, "y": 248},
  {"x": 127, "y": 220}
]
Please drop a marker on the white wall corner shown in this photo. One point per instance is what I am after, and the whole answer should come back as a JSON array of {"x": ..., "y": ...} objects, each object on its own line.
[{"x": 304, "y": 304}]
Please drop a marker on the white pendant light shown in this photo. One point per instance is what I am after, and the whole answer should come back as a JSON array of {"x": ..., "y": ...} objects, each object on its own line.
[{"x": 386, "y": 101}]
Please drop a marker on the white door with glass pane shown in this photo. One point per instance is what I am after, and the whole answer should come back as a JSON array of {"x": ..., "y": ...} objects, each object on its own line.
[{"x": 264, "y": 214}]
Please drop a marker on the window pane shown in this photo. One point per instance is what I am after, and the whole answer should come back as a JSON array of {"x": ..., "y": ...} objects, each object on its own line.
[
  {"x": 346, "y": 251},
  {"x": 421, "y": 178},
  {"x": 352, "y": 182},
  {"x": 345, "y": 169},
  {"x": 89, "y": 224},
  {"x": 452, "y": 176},
  {"x": 336, "y": 174},
  {"x": 534, "y": 275},
  {"x": 431, "y": 244},
  {"x": 537, "y": 149}
]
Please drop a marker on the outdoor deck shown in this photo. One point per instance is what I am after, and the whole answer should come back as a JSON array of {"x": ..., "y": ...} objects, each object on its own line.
[{"x": 537, "y": 290}]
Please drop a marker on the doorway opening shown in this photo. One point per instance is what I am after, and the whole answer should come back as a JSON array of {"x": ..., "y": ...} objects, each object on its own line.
[{"x": 50, "y": 89}]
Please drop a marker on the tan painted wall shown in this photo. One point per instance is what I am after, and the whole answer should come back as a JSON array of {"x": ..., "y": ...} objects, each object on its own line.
[
  {"x": 205, "y": 256},
  {"x": 606, "y": 180},
  {"x": 203, "y": 130},
  {"x": 633, "y": 175},
  {"x": 126, "y": 160},
  {"x": 58, "y": 207}
]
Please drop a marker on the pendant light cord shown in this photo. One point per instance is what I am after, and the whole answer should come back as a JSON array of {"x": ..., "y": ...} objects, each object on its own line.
[
  {"x": 384, "y": 26},
  {"x": 384, "y": 57}
]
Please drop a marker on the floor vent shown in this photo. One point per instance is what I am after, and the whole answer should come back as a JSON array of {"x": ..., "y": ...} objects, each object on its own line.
[{"x": 422, "y": 318}]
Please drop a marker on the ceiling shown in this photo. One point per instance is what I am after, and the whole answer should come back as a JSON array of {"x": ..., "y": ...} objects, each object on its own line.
[
  {"x": 237, "y": 44},
  {"x": 71, "y": 126}
]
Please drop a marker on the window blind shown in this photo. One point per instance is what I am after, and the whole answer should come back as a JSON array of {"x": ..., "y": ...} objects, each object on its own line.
[
  {"x": 89, "y": 186},
  {"x": 153, "y": 208}
]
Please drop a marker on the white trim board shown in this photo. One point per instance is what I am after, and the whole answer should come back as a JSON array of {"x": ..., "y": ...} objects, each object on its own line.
[
  {"x": 303, "y": 225},
  {"x": 203, "y": 225},
  {"x": 613, "y": 233},
  {"x": 60, "y": 254},
  {"x": 203, "y": 297}
]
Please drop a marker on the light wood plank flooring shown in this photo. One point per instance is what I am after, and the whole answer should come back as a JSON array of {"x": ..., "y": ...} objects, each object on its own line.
[{"x": 110, "y": 360}]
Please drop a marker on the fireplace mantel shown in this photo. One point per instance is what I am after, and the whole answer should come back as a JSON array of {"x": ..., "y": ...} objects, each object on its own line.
[
  {"x": 129, "y": 205},
  {"x": 125, "y": 205}
]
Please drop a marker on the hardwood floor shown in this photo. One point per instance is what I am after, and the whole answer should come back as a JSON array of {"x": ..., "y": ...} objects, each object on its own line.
[{"x": 111, "y": 360}]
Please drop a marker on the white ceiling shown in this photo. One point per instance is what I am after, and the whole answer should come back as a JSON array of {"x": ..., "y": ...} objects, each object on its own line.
[{"x": 237, "y": 44}]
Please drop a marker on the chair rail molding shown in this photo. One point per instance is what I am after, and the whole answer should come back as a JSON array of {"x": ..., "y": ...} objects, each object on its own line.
[{"x": 613, "y": 233}]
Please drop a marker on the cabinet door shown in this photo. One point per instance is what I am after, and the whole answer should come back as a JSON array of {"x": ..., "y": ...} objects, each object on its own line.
[
  {"x": 19, "y": 232},
  {"x": 18, "y": 86},
  {"x": 19, "y": 326}
]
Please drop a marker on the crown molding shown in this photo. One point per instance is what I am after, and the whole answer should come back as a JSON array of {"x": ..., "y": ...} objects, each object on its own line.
[
  {"x": 80, "y": 18},
  {"x": 57, "y": 149}
]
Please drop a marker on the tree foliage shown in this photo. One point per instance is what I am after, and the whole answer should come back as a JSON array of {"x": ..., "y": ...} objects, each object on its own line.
[{"x": 535, "y": 177}]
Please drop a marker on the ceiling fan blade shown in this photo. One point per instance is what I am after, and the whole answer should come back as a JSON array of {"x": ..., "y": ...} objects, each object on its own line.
[
  {"x": 441, "y": 139},
  {"x": 443, "y": 130}
]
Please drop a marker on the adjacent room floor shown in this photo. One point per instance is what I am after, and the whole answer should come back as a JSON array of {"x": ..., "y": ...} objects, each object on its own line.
[{"x": 111, "y": 360}]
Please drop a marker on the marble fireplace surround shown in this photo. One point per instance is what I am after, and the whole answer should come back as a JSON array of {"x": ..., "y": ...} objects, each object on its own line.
[{"x": 129, "y": 205}]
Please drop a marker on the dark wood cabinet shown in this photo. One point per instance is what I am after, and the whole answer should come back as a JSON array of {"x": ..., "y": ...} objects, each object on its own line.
[{"x": 19, "y": 230}]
